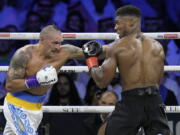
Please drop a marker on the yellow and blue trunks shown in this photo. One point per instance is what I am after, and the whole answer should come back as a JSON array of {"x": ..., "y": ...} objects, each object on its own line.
[
  {"x": 25, "y": 100},
  {"x": 23, "y": 113}
]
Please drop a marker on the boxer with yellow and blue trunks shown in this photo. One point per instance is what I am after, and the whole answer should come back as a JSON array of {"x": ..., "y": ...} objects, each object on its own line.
[{"x": 32, "y": 71}]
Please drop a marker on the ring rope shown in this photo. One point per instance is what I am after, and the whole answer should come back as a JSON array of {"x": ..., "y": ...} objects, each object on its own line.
[
  {"x": 85, "y": 36},
  {"x": 79, "y": 69},
  {"x": 91, "y": 109}
]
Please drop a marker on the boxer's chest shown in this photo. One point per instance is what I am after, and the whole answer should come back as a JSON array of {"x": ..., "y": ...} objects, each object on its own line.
[{"x": 36, "y": 63}]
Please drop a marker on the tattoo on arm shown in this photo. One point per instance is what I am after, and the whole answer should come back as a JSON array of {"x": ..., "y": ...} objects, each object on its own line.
[
  {"x": 74, "y": 51},
  {"x": 17, "y": 66}
]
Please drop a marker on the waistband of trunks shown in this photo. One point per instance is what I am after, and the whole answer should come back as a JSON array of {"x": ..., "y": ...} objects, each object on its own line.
[
  {"x": 151, "y": 90},
  {"x": 26, "y": 104}
]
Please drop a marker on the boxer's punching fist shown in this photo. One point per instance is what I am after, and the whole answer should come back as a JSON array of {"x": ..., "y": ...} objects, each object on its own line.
[
  {"x": 91, "y": 51},
  {"x": 45, "y": 76}
]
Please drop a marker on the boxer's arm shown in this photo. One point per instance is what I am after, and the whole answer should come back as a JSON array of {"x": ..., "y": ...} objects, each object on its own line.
[
  {"x": 76, "y": 52},
  {"x": 16, "y": 73},
  {"x": 104, "y": 52},
  {"x": 73, "y": 51},
  {"x": 104, "y": 74}
]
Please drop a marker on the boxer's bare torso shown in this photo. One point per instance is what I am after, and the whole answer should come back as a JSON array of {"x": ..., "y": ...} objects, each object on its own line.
[
  {"x": 28, "y": 61},
  {"x": 139, "y": 59}
]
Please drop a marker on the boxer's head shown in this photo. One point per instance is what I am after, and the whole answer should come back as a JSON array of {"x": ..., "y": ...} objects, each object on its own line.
[
  {"x": 51, "y": 38},
  {"x": 128, "y": 20}
]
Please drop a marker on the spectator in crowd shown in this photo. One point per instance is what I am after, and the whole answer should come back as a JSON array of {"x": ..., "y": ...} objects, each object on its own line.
[
  {"x": 108, "y": 98},
  {"x": 80, "y": 79},
  {"x": 94, "y": 121},
  {"x": 33, "y": 22},
  {"x": 106, "y": 25},
  {"x": 10, "y": 14},
  {"x": 64, "y": 92},
  {"x": 74, "y": 23},
  {"x": 99, "y": 9},
  {"x": 12, "y": 28},
  {"x": 45, "y": 10},
  {"x": 77, "y": 5}
]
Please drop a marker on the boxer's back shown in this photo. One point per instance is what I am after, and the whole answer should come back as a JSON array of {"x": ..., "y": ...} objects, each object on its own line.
[{"x": 140, "y": 62}]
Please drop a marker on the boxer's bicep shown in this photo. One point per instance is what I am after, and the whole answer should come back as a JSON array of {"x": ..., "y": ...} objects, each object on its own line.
[
  {"x": 17, "y": 66},
  {"x": 15, "y": 80}
]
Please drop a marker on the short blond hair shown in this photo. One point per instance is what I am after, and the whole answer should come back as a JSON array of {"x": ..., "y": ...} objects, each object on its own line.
[{"x": 46, "y": 31}]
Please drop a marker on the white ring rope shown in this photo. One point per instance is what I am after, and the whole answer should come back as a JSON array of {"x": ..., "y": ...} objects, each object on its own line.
[
  {"x": 86, "y": 36},
  {"x": 79, "y": 69},
  {"x": 91, "y": 109}
]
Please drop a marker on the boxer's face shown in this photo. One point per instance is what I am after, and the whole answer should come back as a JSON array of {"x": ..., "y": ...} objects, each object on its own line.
[
  {"x": 121, "y": 26},
  {"x": 54, "y": 42}
]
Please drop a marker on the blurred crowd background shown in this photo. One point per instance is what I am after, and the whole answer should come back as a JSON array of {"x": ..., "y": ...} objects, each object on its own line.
[{"x": 86, "y": 16}]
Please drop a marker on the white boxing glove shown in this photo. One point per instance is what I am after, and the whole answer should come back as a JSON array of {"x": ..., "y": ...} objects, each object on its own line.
[{"x": 47, "y": 75}]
